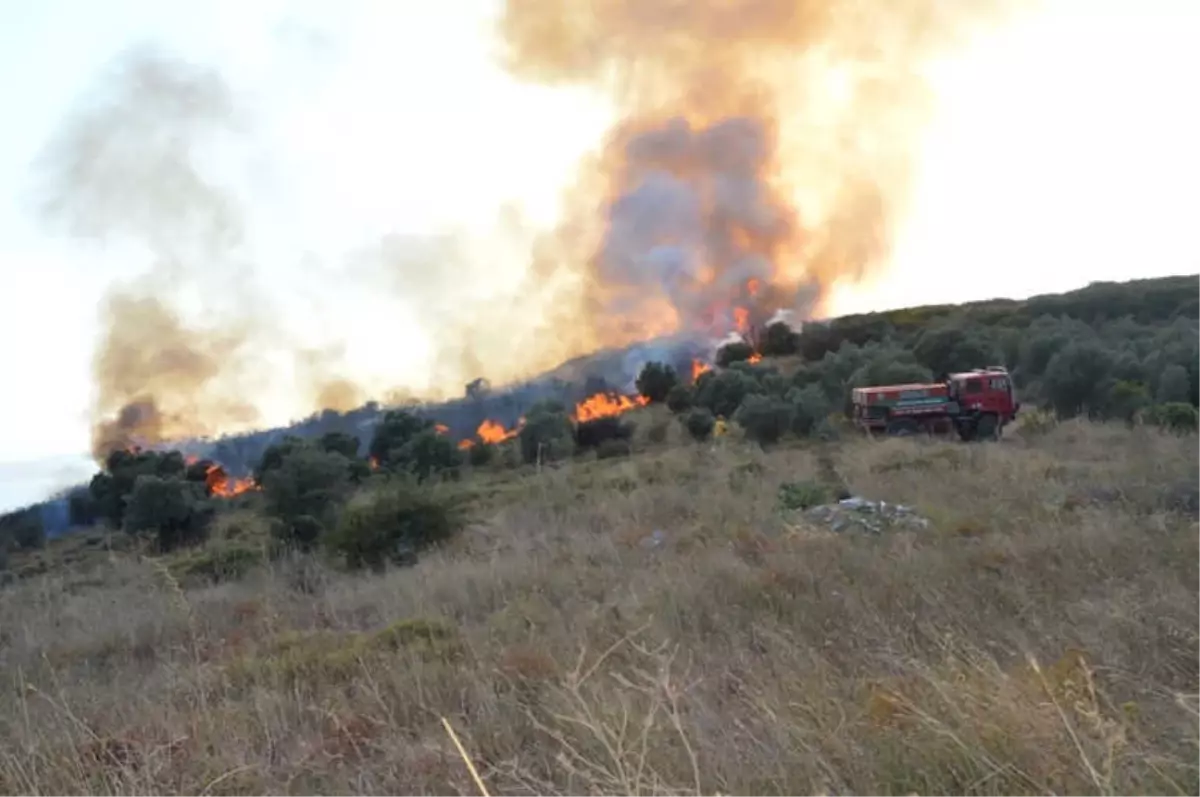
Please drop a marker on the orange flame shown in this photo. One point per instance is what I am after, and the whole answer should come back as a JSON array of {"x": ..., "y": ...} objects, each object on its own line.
[
  {"x": 755, "y": 358},
  {"x": 466, "y": 444},
  {"x": 492, "y": 432},
  {"x": 699, "y": 368},
  {"x": 602, "y": 405},
  {"x": 220, "y": 484},
  {"x": 373, "y": 462},
  {"x": 441, "y": 428},
  {"x": 741, "y": 319}
]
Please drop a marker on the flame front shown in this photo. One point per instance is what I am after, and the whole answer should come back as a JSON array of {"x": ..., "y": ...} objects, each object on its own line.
[
  {"x": 602, "y": 405},
  {"x": 699, "y": 368},
  {"x": 492, "y": 432},
  {"x": 220, "y": 484}
]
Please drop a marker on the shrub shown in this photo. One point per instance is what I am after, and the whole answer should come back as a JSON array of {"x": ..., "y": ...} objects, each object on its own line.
[
  {"x": 611, "y": 449},
  {"x": 656, "y": 381},
  {"x": 810, "y": 408},
  {"x": 392, "y": 524},
  {"x": 480, "y": 454},
  {"x": 395, "y": 430},
  {"x": 723, "y": 393},
  {"x": 765, "y": 419},
  {"x": 596, "y": 432},
  {"x": 657, "y": 433},
  {"x": 802, "y": 495},
  {"x": 1175, "y": 416},
  {"x": 679, "y": 400},
  {"x": 428, "y": 454},
  {"x": 307, "y": 481},
  {"x": 700, "y": 423},
  {"x": 547, "y": 434},
  {"x": 176, "y": 510}
]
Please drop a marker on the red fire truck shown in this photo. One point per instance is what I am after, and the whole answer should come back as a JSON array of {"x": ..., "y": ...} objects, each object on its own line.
[{"x": 977, "y": 404}]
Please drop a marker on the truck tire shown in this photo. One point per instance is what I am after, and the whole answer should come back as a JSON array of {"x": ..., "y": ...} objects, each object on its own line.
[
  {"x": 988, "y": 427},
  {"x": 966, "y": 429}
]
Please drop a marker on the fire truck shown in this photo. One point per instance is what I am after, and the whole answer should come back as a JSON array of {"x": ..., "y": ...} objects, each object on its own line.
[{"x": 976, "y": 404}]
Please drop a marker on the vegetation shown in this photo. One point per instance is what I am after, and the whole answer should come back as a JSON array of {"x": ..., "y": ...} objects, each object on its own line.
[{"x": 1035, "y": 632}]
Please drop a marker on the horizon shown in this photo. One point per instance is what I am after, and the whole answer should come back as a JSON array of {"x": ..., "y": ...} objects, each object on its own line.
[{"x": 1037, "y": 196}]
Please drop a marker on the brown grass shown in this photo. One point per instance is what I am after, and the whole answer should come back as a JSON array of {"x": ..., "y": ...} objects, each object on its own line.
[{"x": 1041, "y": 636}]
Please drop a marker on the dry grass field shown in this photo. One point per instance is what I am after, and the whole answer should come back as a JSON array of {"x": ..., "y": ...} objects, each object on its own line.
[{"x": 1040, "y": 636}]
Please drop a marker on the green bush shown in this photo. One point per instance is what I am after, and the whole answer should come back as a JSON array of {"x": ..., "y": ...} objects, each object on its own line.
[
  {"x": 722, "y": 393},
  {"x": 547, "y": 434},
  {"x": 480, "y": 454},
  {"x": 699, "y": 423},
  {"x": 610, "y": 449},
  {"x": 765, "y": 419},
  {"x": 393, "y": 523},
  {"x": 810, "y": 409},
  {"x": 679, "y": 400},
  {"x": 177, "y": 511},
  {"x": 802, "y": 495},
  {"x": 307, "y": 482},
  {"x": 1176, "y": 416}
]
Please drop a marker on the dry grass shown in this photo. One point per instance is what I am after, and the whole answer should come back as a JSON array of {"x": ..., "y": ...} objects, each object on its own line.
[{"x": 1040, "y": 637}]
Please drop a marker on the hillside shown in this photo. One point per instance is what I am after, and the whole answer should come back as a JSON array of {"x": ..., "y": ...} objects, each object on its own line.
[{"x": 628, "y": 603}]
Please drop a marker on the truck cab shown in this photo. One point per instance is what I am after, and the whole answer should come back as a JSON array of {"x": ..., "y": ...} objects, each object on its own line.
[{"x": 985, "y": 391}]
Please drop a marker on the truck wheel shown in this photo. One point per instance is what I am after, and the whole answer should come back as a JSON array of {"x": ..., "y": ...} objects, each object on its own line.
[
  {"x": 988, "y": 427},
  {"x": 966, "y": 430}
]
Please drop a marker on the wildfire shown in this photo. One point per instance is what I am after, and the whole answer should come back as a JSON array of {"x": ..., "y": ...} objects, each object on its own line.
[
  {"x": 755, "y": 358},
  {"x": 466, "y": 444},
  {"x": 699, "y": 368},
  {"x": 373, "y": 462},
  {"x": 602, "y": 405},
  {"x": 220, "y": 484},
  {"x": 492, "y": 432},
  {"x": 441, "y": 428}
]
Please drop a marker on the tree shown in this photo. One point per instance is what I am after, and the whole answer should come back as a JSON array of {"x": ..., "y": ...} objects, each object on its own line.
[
  {"x": 307, "y": 482},
  {"x": 547, "y": 434},
  {"x": 722, "y": 393},
  {"x": 1125, "y": 400},
  {"x": 656, "y": 381},
  {"x": 394, "y": 430},
  {"x": 173, "y": 508},
  {"x": 735, "y": 352},
  {"x": 679, "y": 399},
  {"x": 810, "y": 408},
  {"x": 1076, "y": 378},
  {"x": 779, "y": 340},
  {"x": 1178, "y": 417},
  {"x": 428, "y": 454},
  {"x": 596, "y": 432},
  {"x": 339, "y": 443},
  {"x": 1174, "y": 385},
  {"x": 765, "y": 419}
]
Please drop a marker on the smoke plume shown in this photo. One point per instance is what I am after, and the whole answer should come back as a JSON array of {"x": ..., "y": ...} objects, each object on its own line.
[
  {"x": 126, "y": 168},
  {"x": 763, "y": 149}
]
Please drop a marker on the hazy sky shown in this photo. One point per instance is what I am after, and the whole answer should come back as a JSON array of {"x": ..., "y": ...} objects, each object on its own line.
[{"x": 1063, "y": 151}]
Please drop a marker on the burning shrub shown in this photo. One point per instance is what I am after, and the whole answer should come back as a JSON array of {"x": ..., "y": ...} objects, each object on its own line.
[
  {"x": 392, "y": 524},
  {"x": 679, "y": 400},
  {"x": 779, "y": 340},
  {"x": 700, "y": 423},
  {"x": 597, "y": 432},
  {"x": 765, "y": 419},
  {"x": 736, "y": 352},
  {"x": 656, "y": 381},
  {"x": 403, "y": 441},
  {"x": 547, "y": 434},
  {"x": 175, "y": 509}
]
